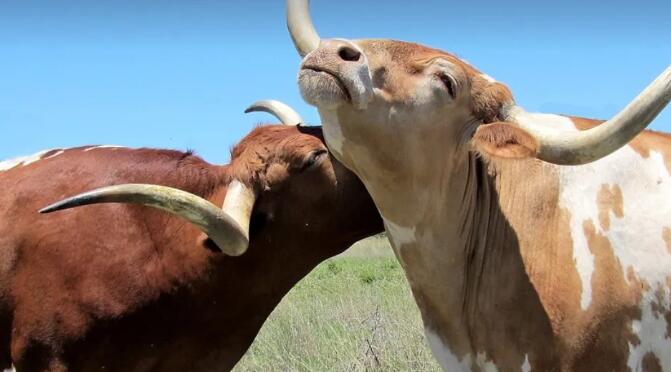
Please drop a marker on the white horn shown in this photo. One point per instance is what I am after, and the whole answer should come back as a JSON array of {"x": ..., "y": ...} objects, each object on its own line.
[
  {"x": 227, "y": 227},
  {"x": 281, "y": 111},
  {"x": 595, "y": 143},
  {"x": 300, "y": 26}
]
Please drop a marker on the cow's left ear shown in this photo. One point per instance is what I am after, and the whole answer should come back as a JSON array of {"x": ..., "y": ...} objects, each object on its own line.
[{"x": 504, "y": 140}]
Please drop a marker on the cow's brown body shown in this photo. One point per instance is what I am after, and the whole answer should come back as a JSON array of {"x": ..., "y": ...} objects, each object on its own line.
[{"x": 128, "y": 288}]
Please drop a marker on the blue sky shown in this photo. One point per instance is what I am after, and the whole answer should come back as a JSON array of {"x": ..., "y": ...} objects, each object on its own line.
[{"x": 178, "y": 74}]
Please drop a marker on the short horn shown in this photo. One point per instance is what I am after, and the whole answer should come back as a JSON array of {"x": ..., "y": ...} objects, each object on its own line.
[
  {"x": 300, "y": 26},
  {"x": 595, "y": 143},
  {"x": 281, "y": 111},
  {"x": 228, "y": 228}
]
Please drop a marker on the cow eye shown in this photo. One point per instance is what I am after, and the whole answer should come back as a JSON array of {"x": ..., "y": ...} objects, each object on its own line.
[
  {"x": 449, "y": 84},
  {"x": 313, "y": 159}
]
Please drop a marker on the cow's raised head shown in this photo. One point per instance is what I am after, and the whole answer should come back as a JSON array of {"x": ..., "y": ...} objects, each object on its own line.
[
  {"x": 281, "y": 183},
  {"x": 399, "y": 98}
]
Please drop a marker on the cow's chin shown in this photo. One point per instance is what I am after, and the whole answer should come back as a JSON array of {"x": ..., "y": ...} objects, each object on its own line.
[{"x": 322, "y": 89}]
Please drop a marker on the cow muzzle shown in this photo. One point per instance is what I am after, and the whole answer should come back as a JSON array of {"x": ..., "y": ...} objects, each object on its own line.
[{"x": 336, "y": 73}]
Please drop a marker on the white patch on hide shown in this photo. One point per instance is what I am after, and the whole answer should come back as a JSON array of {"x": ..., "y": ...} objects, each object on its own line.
[
  {"x": 26, "y": 160},
  {"x": 103, "y": 147},
  {"x": 447, "y": 360},
  {"x": 332, "y": 131},
  {"x": 651, "y": 330},
  {"x": 636, "y": 238},
  {"x": 450, "y": 362},
  {"x": 400, "y": 235},
  {"x": 526, "y": 366},
  {"x": 579, "y": 187}
]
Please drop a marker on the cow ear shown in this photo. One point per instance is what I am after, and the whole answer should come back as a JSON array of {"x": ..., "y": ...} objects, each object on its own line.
[{"x": 504, "y": 140}]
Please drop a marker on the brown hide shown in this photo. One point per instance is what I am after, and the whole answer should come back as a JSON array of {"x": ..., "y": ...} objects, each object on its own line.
[{"x": 127, "y": 288}]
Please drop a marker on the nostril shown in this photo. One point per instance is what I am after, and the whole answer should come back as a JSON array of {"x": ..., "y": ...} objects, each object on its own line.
[{"x": 349, "y": 54}]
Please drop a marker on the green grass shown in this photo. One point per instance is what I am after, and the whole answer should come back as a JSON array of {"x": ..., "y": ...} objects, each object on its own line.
[{"x": 354, "y": 312}]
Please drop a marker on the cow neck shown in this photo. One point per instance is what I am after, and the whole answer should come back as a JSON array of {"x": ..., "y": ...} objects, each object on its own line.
[{"x": 451, "y": 235}]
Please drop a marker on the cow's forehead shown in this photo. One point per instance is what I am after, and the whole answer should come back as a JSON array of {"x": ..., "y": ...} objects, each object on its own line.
[
  {"x": 408, "y": 54},
  {"x": 279, "y": 140}
]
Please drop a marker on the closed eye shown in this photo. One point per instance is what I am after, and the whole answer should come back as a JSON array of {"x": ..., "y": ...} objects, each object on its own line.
[
  {"x": 313, "y": 159},
  {"x": 449, "y": 84}
]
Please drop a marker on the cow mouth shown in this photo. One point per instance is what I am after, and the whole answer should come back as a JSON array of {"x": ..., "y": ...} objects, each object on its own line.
[{"x": 322, "y": 73}]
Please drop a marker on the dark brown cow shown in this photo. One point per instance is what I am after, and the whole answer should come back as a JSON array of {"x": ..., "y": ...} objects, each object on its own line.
[{"x": 120, "y": 287}]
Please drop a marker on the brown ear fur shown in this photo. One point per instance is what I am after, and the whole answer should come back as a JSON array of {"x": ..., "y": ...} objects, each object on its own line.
[
  {"x": 489, "y": 99},
  {"x": 504, "y": 140}
]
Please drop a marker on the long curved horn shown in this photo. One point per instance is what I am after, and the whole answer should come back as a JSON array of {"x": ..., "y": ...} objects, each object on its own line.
[
  {"x": 281, "y": 111},
  {"x": 305, "y": 37},
  {"x": 595, "y": 143},
  {"x": 227, "y": 227}
]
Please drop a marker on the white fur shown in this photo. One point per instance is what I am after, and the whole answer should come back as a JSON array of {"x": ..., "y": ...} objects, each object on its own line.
[
  {"x": 549, "y": 121},
  {"x": 578, "y": 196},
  {"x": 332, "y": 132},
  {"x": 59, "y": 152},
  {"x": 651, "y": 330},
  {"x": 447, "y": 360},
  {"x": 636, "y": 237},
  {"x": 25, "y": 160},
  {"x": 400, "y": 235},
  {"x": 526, "y": 366},
  {"x": 103, "y": 147},
  {"x": 488, "y": 78},
  {"x": 450, "y": 362}
]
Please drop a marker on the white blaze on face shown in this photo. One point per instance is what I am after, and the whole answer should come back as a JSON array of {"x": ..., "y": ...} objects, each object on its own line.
[{"x": 27, "y": 160}]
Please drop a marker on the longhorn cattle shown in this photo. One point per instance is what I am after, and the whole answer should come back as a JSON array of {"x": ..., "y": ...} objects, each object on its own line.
[
  {"x": 515, "y": 261},
  {"x": 121, "y": 287}
]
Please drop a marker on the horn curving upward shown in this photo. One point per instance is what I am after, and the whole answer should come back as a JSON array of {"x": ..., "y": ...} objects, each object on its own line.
[
  {"x": 305, "y": 37},
  {"x": 227, "y": 227},
  {"x": 281, "y": 111},
  {"x": 595, "y": 143}
]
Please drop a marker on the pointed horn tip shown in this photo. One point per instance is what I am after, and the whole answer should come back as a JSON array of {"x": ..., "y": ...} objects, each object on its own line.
[
  {"x": 254, "y": 107},
  {"x": 51, "y": 208}
]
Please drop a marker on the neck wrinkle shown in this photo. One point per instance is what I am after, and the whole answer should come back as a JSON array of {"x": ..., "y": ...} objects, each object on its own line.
[{"x": 481, "y": 229}]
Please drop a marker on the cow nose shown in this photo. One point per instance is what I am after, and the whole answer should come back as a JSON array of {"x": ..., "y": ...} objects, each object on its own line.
[
  {"x": 349, "y": 54},
  {"x": 340, "y": 50}
]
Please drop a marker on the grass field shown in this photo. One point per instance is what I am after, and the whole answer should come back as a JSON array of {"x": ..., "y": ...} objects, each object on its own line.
[{"x": 352, "y": 313}]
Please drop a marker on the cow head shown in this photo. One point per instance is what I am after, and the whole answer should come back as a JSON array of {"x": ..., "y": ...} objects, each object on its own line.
[
  {"x": 375, "y": 91},
  {"x": 281, "y": 178}
]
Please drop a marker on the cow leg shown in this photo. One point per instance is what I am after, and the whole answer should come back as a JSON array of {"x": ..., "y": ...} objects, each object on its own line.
[
  {"x": 37, "y": 357},
  {"x": 40, "y": 365},
  {"x": 5, "y": 340}
]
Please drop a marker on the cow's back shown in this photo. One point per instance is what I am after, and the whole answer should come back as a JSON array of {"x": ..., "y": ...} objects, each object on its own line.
[{"x": 59, "y": 273}]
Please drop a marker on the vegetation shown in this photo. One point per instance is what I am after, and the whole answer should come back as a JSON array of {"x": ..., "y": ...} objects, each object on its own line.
[{"x": 354, "y": 312}]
